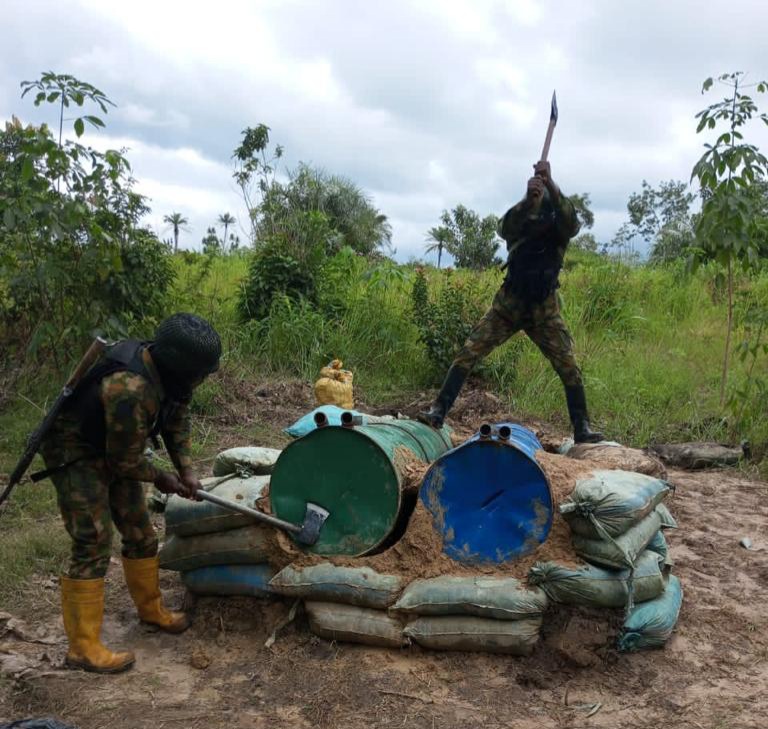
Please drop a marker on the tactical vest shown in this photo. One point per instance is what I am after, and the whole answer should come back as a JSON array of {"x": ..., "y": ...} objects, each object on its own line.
[
  {"x": 85, "y": 403},
  {"x": 534, "y": 265}
]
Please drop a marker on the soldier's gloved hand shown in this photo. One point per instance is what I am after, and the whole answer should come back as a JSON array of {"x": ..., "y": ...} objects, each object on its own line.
[
  {"x": 535, "y": 189},
  {"x": 169, "y": 483},
  {"x": 192, "y": 483},
  {"x": 543, "y": 170}
]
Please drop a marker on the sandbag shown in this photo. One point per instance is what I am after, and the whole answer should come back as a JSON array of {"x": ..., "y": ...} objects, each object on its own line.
[
  {"x": 184, "y": 517},
  {"x": 611, "y": 502},
  {"x": 251, "y": 580},
  {"x": 597, "y": 587},
  {"x": 249, "y": 460},
  {"x": 659, "y": 545},
  {"x": 246, "y": 545},
  {"x": 503, "y": 598},
  {"x": 354, "y": 624},
  {"x": 693, "y": 456},
  {"x": 623, "y": 551},
  {"x": 326, "y": 582},
  {"x": 619, "y": 456},
  {"x": 459, "y": 633},
  {"x": 650, "y": 625}
]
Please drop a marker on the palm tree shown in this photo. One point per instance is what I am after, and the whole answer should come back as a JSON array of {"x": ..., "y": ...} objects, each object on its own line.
[
  {"x": 439, "y": 237},
  {"x": 178, "y": 222},
  {"x": 226, "y": 220}
]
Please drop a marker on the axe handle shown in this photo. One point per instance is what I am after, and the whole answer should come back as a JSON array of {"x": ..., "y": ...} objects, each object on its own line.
[
  {"x": 253, "y": 513},
  {"x": 548, "y": 140}
]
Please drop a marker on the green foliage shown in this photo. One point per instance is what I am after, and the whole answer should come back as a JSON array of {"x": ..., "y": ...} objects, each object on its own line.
[
  {"x": 726, "y": 172},
  {"x": 73, "y": 255},
  {"x": 470, "y": 239},
  {"x": 730, "y": 229},
  {"x": 274, "y": 274},
  {"x": 581, "y": 204},
  {"x": 662, "y": 218},
  {"x": 66, "y": 90},
  {"x": 444, "y": 323}
]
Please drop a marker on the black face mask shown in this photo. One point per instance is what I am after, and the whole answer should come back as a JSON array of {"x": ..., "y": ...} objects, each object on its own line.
[{"x": 178, "y": 386}]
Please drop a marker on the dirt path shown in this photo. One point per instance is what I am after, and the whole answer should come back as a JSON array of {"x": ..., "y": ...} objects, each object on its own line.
[{"x": 713, "y": 674}]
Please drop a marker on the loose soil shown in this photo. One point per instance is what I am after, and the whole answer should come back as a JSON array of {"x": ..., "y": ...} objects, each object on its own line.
[{"x": 713, "y": 674}]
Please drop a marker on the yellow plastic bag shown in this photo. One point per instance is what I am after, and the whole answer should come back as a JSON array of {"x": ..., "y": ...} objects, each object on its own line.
[{"x": 335, "y": 386}]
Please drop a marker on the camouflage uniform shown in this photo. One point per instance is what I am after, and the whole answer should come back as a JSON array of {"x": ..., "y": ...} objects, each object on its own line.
[
  {"x": 101, "y": 488},
  {"x": 527, "y": 300}
]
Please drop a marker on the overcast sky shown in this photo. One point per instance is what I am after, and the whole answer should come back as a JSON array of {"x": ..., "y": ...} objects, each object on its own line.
[{"x": 424, "y": 104}]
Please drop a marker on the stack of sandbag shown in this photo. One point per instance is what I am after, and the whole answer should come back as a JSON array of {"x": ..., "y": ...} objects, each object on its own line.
[
  {"x": 359, "y": 605},
  {"x": 219, "y": 551},
  {"x": 617, "y": 520}
]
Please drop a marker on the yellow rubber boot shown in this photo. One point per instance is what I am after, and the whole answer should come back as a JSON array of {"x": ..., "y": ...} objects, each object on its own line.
[
  {"x": 143, "y": 578},
  {"x": 82, "y": 604}
]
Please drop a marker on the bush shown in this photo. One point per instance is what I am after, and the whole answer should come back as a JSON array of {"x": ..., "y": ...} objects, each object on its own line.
[
  {"x": 273, "y": 273},
  {"x": 444, "y": 323}
]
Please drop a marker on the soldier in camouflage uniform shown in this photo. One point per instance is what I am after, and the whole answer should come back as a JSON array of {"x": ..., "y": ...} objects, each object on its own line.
[
  {"x": 96, "y": 458},
  {"x": 537, "y": 231}
]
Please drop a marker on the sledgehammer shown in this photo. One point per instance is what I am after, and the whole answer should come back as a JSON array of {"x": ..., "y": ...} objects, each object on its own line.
[{"x": 307, "y": 532}]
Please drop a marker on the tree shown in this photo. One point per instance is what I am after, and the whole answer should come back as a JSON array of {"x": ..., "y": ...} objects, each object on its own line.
[
  {"x": 439, "y": 238},
  {"x": 585, "y": 242},
  {"x": 470, "y": 239},
  {"x": 226, "y": 220},
  {"x": 177, "y": 222},
  {"x": 662, "y": 218},
  {"x": 730, "y": 228},
  {"x": 66, "y": 90},
  {"x": 211, "y": 243},
  {"x": 581, "y": 203},
  {"x": 74, "y": 256},
  {"x": 255, "y": 171}
]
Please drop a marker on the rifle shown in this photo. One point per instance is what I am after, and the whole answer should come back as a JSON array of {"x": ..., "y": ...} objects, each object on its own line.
[{"x": 36, "y": 438}]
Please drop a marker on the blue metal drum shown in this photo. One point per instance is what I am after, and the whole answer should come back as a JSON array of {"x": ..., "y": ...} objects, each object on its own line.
[{"x": 489, "y": 497}]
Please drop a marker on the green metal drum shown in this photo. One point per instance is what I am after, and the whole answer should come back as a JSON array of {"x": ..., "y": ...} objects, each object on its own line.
[{"x": 356, "y": 473}]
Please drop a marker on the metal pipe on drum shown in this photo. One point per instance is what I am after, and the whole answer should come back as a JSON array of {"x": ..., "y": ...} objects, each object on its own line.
[
  {"x": 505, "y": 432},
  {"x": 321, "y": 419},
  {"x": 485, "y": 431},
  {"x": 350, "y": 420}
]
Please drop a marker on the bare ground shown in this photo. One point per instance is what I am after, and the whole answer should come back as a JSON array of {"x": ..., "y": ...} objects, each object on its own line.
[{"x": 713, "y": 674}]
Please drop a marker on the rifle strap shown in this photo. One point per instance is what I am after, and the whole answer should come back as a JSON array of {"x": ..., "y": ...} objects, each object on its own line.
[{"x": 40, "y": 475}]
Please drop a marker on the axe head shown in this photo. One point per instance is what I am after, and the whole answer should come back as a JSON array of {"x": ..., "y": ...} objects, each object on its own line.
[
  {"x": 553, "y": 112},
  {"x": 314, "y": 518}
]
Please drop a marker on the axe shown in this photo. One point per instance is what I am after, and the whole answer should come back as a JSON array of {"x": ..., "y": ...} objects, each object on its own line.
[
  {"x": 547, "y": 141},
  {"x": 550, "y": 128}
]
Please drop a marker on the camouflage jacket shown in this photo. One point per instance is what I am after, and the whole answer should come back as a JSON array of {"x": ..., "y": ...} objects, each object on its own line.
[
  {"x": 132, "y": 406},
  {"x": 520, "y": 232}
]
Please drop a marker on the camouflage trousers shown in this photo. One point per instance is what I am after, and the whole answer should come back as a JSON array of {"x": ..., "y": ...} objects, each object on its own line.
[
  {"x": 90, "y": 499},
  {"x": 541, "y": 322}
]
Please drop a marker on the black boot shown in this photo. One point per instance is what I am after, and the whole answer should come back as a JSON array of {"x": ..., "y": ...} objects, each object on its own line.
[
  {"x": 445, "y": 398},
  {"x": 577, "y": 409}
]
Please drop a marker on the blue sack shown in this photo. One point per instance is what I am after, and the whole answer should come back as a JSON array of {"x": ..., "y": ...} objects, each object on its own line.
[
  {"x": 230, "y": 579},
  {"x": 650, "y": 624}
]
